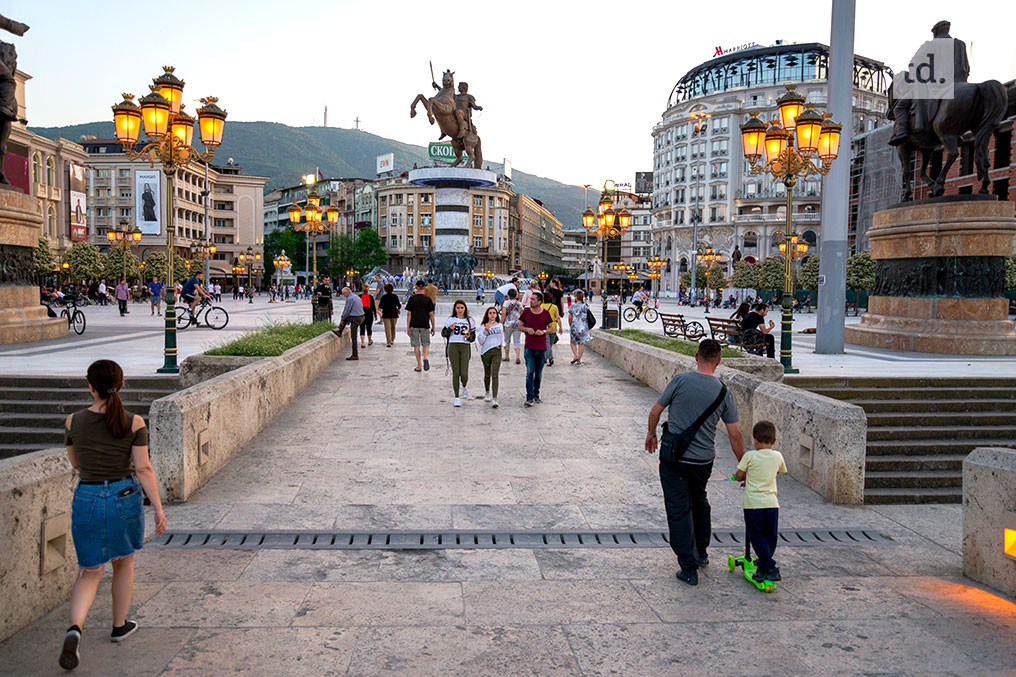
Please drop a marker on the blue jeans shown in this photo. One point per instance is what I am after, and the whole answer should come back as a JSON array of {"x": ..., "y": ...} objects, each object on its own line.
[
  {"x": 761, "y": 526},
  {"x": 106, "y": 525},
  {"x": 534, "y": 372},
  {"x": 498, "y": 298}
]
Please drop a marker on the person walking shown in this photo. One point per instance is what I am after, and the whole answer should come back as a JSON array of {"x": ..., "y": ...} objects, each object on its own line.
[
  {"x": 479, "y": 294},
  {"x": 420, "y": 325},
  {"x": 432, "y": 293},
  {"x": 459, "y": 330},
  {"x": 218, "y": 293},
  {"x": 103, "y": 298},
  {"x": 534, "y": 288},
  {"x": 556, "y": 295},
  {"x": 491, "y": 337},
  {"x": 390, "y": 310},
  {"x": 535, "y": 323},
  {"x": 553, "y": 335},
  {"x": 121, "y": 297},
  {"x": 352, "y": 314},
  {"x": 512, "y": 333},
  {"x": 695, "y": 402},
  {"x": 369, "y": 316},
  {"x": 501, "y": 293},
  {"x": 578, "y": 326},
  {"x": 103, "y": 442},
  {"x": 155, "y": 295}
]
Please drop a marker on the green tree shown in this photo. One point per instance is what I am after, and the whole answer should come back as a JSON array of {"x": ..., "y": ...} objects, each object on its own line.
[
  {"x": 809, "y": 274},
  {"x": 1010, "y": 273},
  {"x": 289, "y": 241},
  {"x": 341, "y": 255},
  {"x": 700, "y": 278},
  {"x": 860, "y": 272},
  {"x": 114, "y": 266},
  {"x": 155, "y": 266},
  {"x": 86, "y": 261},
  {"x": 716, "y": 277},
  {"x": 772, "y": 274},
  {"x": 368, "y": 251},
  {"x": 182, "y": 271},
  {"x": 42, "y": 258},
  {"x": 745, "y": 275}
]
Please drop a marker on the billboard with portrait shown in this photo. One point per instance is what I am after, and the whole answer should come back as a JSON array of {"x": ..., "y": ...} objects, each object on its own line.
[
  {"x": 643, "y": 182},
  {"x": 148, "y": 201},
  {"x": 78, "y": 202}
]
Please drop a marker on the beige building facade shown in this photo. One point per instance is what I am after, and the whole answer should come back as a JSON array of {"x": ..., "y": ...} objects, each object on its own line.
[{"x": 539, "y": 241}]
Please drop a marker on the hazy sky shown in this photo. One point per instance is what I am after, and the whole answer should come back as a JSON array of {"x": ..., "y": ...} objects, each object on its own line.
[{"x": 570, "y": 90}]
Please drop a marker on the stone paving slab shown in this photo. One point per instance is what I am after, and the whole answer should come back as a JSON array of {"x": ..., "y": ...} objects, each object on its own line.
[{"x": 372, "y": 445}]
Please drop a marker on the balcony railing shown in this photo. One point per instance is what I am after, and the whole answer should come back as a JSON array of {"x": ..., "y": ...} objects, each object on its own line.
[{"x": 806, "y": 217}]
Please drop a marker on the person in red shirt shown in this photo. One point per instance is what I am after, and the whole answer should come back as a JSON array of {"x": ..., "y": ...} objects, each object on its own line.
[{"x": 535, "y": 323}]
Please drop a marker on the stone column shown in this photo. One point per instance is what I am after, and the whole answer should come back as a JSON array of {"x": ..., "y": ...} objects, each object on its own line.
[
  {"x": 22, "y": 317},
  {"x": 451, "y": 220},
  {"x": 940, "y": 278}
]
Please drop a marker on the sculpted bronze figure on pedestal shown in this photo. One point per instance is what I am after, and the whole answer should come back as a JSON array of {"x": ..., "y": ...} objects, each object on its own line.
[
  {"x": 8, "y": 87},
  {"x": 454, "y": 115}
]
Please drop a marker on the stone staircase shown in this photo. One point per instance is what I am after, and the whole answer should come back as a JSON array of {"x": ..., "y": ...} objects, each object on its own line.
[
  {"x": 921, "y": 429},
  {"x": 33, "y": 408}
]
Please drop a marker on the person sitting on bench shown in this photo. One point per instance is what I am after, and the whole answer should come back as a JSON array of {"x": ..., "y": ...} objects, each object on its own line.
[{"x": 756, "y": 320}]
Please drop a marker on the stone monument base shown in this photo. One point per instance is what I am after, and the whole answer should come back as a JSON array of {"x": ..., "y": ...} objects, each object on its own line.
[
  {"x": 939, "y": 279},
  {"x": 22, "y": 317}
]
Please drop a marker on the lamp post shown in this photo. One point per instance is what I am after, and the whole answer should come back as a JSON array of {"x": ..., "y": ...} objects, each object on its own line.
[
  {"x": 655, "y": 270},
  {"x": 122, "y": 237},
  {"x": 818, "y": 139},
  {"x": 203, "y": 249},
  {"x": 605, "y": 224},
  {"x": 707, "y": 257},
  {"x": 700, "y": 121},
  {"x": 281, "y": 262},
  {"x": 312, "y": 222},
  {"x": 249, "y": 259},
  {"x": 170, "y": 131}
]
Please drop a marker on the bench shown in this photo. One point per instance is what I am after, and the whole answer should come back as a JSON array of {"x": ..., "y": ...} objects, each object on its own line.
[
  {"x": 675, "y": 325},
  {"x": 728, "y": 332}
]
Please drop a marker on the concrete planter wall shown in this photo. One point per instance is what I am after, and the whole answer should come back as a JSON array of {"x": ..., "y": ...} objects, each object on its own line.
[
  {"x": 200, "y": 368},
  {"x": 195, "y": 431},
  {"x": 989, "y": 507},
  {"x": 37, "y": 560},
  {"x": 822, "y": 439}
]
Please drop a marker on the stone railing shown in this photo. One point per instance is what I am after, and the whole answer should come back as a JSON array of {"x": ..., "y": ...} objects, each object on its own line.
[
  {"x": 989, "y": 517},
  {"x": 822, "y": 440}
]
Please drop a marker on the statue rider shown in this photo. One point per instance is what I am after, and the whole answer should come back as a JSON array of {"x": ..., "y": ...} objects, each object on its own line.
[
  {"x": 465, "y": 104},
  {"x": 923, "y": 107},
  {"x": 8, "y": 87}
]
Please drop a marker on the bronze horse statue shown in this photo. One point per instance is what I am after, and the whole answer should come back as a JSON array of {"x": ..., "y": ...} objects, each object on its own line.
[
  {"x": 442, "y": 108},
  {"x": 977, "y": 108}
]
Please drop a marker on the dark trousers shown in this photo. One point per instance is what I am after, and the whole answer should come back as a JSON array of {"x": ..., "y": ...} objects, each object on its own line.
[
  {"x": 761, "y": 526},
  {"x": 688, "y": 513},
  {"x": 535, "y": 360},
  {"x": 354, "y": 323},
  {"x": 770, "y": 345},
  {"x": 123, "y": 305},
  {"x": 367, "y": 328}
]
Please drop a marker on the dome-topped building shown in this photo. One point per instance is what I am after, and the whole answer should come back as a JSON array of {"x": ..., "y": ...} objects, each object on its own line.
[{"x": 697, "y": 151}]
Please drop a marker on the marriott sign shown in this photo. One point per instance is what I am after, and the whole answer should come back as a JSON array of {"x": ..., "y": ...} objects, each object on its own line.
[{"x": 720, "y": 51}]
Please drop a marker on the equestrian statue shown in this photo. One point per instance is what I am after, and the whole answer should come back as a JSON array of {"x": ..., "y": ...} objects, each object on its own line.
[{"x": 454, "y": 115}]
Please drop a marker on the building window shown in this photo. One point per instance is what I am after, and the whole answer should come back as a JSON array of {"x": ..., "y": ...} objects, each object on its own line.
[
  {"x": 477, "y": 200},
  {"x": 398, "y": 198},
  {"x": 125, "y": 211},
  {"x": 424, "y": 219},
  {"x": 409, "y": 219},
  {"x": 125, "y": 193},
  {"x": 490, "y": 202},
  {"x": 37, "y": 169},
  {"x": 409, "y": 240},
  {"x": 124, "y": 173},
  {"x": 425, "y": 241},
  {"x": 384, "y": 221},
  {"x": 477, "y": 242},
  {"x": 477, "y": 221},
  {"x": 395, "y": 241},
  {"x": 50, "y": 171},
  {"x": 425, "y": 198},
  {"x": 51, "y": 221},
  {"x": 490, "y": 220},
  {"x": 411, "y": 198}
]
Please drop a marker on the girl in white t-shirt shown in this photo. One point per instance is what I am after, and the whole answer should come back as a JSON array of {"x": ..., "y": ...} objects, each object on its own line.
[
  {"x": 491, "y": 337},
  {"x": 460, "y": 332}
]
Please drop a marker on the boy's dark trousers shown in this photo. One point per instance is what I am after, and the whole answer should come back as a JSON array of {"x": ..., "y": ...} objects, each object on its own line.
[
  {"x": 761, "y": 526},
  {"x": 688, "y": 512}
]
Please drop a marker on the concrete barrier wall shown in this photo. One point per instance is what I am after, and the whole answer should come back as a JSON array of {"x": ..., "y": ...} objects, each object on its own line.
[
  {"x": 989, "y": 508},
  {"x": 823, "y": 440},
  {"x": 200, "y": 368},
  {"x": 194, "y": 432},
  {"x": 37, "y": 560}
]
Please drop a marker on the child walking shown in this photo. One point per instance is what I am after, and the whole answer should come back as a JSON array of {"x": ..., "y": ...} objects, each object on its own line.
[
  {"x": 491, "y": 337},
  {"x": 757, "y": 473}
]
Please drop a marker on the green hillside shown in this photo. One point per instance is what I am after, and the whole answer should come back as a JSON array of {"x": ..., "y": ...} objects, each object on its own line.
[{"x": 285, "y": 153}]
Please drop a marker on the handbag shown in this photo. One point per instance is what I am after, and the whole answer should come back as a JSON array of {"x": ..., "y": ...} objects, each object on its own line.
[
  {"x": 590, "y": 318},
  {"x": 674, "y": 445}
]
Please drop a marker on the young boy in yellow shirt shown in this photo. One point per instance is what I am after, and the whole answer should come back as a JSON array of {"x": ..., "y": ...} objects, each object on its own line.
[{"x": 757, "y": 472}]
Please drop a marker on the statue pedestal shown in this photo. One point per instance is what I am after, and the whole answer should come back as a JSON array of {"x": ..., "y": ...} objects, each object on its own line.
[
  {"x": 22, "y": 318},
  {"x": 940, "y": 279}
]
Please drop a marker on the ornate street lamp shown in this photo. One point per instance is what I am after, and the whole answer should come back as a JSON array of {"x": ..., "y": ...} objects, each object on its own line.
[
  {"x": 603, "y": 226},
  {"x": 249, "y": 259},
  {"x": 818, "y": 142},
  {"x": 122, "y": 236},
  {"x": 170, "y": 132},
  {"x": 315, "y": 221}
]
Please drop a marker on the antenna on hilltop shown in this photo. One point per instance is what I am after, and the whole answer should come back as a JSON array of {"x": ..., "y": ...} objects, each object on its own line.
[{"x": 326, "y": 116}]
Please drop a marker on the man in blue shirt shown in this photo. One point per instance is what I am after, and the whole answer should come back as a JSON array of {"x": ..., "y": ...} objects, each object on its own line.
[
  {"x": 155, "y": 295},
  {"x": 192, "y": 291}
]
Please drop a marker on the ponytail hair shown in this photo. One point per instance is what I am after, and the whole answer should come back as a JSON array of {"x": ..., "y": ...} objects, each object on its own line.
[{"x": 106, "y": 377}]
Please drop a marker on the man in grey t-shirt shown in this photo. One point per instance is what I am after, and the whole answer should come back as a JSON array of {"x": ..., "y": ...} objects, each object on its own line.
[{"x": 688, "y": 395}]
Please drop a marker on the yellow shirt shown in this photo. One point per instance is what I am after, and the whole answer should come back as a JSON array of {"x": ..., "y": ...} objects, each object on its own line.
[
  {"x": 552, "y": 309},
  {"x": 760, "y": 467}
]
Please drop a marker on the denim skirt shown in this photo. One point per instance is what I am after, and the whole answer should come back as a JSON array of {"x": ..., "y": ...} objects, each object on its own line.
[{"x": 107, "y": 521}]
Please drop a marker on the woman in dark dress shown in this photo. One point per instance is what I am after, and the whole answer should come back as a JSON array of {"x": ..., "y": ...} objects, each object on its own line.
[
  {"x": 390, "y": 308},
  {"x": 108, "y": 447}
]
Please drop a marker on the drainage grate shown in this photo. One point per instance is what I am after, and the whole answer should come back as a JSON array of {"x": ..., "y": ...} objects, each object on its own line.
[{"x": 451, "y": 539}]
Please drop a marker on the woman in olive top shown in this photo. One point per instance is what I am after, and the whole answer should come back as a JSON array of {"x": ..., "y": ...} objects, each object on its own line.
[
  {"x": 109, "y": 448},
  {"x": 390, "y": 307}
]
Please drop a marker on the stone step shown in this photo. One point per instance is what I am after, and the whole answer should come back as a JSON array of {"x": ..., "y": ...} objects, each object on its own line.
[
  {"x": 910, "y": 463},
  {"x": 936, "y": 432},
  {"x": 22, "y": 435},
  {"x": 933, "y": 447},
  {"x": 940, "y": 418},
  {"x": 922, "y": 406},
  {"x": 12, "y": 450},
  {"x": 920, "y": 393},
  {"x": 33, "y": 393},
  {"x": 918, "y": 479},
  {"x": 67, "y": 406},
  {"x": 15, "y": 419},
  {"x": 816, "y": 382},
  {"x": 912, "y": 496},
  {"x": 168, "y": 382}
]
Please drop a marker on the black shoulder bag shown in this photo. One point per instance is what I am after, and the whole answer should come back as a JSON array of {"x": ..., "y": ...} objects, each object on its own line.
[
  {"x": 673, "y": 445},
  {"x": 590, "y": 318}
]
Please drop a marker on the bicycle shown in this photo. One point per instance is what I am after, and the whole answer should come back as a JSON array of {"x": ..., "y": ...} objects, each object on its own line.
[
  {"x": 216, "y": 317},
  {"x": 75, "y": 318},
  {"x": 633, "y": 313}
]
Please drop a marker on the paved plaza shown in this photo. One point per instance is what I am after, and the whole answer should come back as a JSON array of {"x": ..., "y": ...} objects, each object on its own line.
[{"x": 373, "y": 445}]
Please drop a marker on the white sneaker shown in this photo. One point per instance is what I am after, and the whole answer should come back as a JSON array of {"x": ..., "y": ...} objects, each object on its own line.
[
  {"x": 465, "y": 393},
  {"x": 487, "y": 398},
  {"x": 494, "y": 404},
  {"x": 457, "y": 402}
]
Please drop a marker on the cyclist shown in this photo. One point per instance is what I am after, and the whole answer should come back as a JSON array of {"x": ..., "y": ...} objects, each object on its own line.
[
  {"x": 193, "y": 291},
  {"x": 638, "y": 298}
]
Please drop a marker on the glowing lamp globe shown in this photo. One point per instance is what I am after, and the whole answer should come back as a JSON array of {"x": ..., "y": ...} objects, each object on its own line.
[
  {"x": 170, "y": 88},
  {"x": 753, "y": 137},
  {"x": 211, "y": 120},
  {"x": 127, "y": 121},
  {"x": 182, "y": 128},
  {"x": 776, "y": 142},
  {"x": 809, "y": 129},
  {"x": 790, "y": 106},
  {"x": 155, "y": 114},
  {"x": 829, "y": 140}
]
